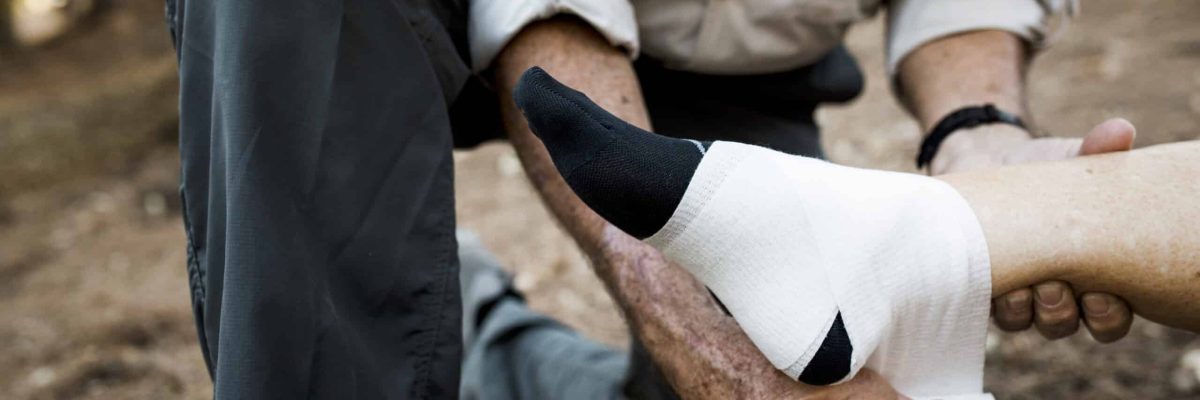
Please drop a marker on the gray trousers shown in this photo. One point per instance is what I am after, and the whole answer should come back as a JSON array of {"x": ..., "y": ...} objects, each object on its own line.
[{"x": 512, "y": 352}]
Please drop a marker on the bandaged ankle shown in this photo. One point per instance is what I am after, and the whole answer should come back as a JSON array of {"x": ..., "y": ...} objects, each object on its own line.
[{"x": 788, "y": 242}]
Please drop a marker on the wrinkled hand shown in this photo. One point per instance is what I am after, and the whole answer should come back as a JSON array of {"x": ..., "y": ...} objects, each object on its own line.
[
  {"x": 703, "y": 352},
  {"x": 1051, "y": 306}
]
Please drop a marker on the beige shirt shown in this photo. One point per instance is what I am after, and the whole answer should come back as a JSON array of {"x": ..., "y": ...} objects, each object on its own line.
[{"x": 760, "y": 36}]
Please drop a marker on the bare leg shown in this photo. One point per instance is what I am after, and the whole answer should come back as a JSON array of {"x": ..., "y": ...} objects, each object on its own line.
[{"x": 1127, "y": 224}]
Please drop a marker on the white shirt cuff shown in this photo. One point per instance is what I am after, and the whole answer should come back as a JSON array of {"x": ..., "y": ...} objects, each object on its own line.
[
  {"x": 494, "y": 22},
  {"x": 912, "y": 23}
]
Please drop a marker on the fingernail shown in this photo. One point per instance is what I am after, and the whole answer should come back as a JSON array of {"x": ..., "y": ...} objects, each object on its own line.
[
  {"x": 1049, "y": 296},
  {"x": 1096, "y": 305},
  {"x": 1016, "y": 301}
]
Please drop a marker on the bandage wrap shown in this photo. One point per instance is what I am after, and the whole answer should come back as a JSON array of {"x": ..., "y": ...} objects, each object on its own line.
[{"x": 787, "y": 242}]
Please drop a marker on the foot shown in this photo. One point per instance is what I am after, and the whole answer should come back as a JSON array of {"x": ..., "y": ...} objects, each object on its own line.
[{"x": 636, "y": 179}]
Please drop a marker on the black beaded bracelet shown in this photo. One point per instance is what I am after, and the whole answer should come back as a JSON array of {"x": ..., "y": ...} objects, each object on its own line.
[{"x": 966, "y": 117}]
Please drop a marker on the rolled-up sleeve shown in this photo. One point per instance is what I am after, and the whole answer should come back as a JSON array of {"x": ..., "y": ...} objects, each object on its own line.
[
  {"x": 912, "y": 23},
  {"x": 495, "y": 22}
]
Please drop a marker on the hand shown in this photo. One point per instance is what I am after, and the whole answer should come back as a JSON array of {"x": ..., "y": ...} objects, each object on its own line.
[
  {"x": 692, "y": 341},
  {"x": 1050, "y": 306}
]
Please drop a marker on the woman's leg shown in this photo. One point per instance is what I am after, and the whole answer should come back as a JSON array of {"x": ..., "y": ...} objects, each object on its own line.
[{"x": 1126, "y": 223}]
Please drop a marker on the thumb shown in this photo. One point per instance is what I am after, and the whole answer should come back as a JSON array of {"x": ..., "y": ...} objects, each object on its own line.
[{"x": 1110, "y": 136}]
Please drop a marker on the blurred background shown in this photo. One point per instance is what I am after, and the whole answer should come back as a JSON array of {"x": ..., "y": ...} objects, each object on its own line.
[{"x": 93, "y": 291}]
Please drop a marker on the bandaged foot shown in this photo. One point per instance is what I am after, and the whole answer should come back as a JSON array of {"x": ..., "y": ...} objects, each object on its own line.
[{"x": 826, "y": 268}]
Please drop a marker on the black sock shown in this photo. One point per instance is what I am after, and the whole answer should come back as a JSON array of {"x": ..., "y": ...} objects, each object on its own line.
[
  {"x": 832, "y": 361},
  {"x": 633, "y": 178}
]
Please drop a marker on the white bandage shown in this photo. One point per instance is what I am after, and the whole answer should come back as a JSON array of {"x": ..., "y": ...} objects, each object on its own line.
[{"x": 787, "y": 242}]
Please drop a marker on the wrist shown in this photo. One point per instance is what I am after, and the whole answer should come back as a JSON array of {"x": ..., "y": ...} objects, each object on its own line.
[
  {"x": 977, "y": 67},
  {"x": 978, "y": 142},
  {"x": 959, "y": 121}
]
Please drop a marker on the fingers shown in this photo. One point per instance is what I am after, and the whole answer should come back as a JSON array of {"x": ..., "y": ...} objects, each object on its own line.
[
  {"x": 1107, "y": 317},
  {"x": 1014, "y": 310},
  {"x": 1109, "y": 136},
  {"x": 1054, "y": 311},
  {"x": 1116, "y": 134},
  {"x": 1053, "y": 308}
]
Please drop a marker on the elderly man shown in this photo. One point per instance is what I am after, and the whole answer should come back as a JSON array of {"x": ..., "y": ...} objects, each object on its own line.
[
  {"x": 315, "y": 144},
  {"x": 755, "y": 71}
]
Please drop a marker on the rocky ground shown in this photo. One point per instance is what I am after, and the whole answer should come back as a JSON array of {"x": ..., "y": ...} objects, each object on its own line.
[{"x": 93, "y": 293}]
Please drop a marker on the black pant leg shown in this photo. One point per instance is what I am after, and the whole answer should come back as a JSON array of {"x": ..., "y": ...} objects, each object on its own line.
[
  {"x": 771, "y": 110},
  {"x": 317, "y": 180}
]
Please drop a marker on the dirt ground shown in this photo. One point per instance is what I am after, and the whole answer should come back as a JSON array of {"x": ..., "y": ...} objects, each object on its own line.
[{"x": 93, "y": 293}]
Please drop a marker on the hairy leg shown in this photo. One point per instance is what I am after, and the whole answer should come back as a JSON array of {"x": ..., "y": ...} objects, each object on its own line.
[{"x": 1127, "y": 224}]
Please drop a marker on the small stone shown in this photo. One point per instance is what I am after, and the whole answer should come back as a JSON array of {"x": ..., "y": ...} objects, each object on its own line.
[
  {"x": 525, "y": 282},
  {"x": 42, "y": 376},
  {"x": 102, "y": 202},
  {"x": 154, "y": 204},
  {"x": 1183, "y": 381},
  {"x": 1191, "y": 362},
  {"x": 1112, "y": 63}
]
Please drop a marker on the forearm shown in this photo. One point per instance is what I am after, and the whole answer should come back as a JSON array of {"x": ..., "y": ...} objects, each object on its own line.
[
  {"x": 1118, "y": 223},
  {"x": 968, "y": 69},
  {"x": 989, "y": 66},
  {"x": 965, "y": 69},
  {"x": 701, "y": 351}
]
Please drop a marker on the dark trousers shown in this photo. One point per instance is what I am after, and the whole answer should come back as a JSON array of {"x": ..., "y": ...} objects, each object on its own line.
[
  {"x": 771, "y": 110},
  {"x": 318, "y": 198}
]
